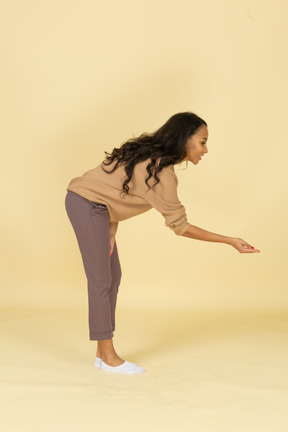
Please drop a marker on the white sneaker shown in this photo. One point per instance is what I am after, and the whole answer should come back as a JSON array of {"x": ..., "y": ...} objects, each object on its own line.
[
  {"x": 97, "y": 362},
  {"x": 126, "y": 368}
]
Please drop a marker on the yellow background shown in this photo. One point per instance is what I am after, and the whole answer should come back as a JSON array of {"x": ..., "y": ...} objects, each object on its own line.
[{"x": 79, "y": 78}]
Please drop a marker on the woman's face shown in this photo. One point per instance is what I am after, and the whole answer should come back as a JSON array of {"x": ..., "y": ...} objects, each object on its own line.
[{"x": 197, "y": 145}]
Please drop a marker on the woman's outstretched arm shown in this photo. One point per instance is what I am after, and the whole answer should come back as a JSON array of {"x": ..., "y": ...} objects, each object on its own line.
[{"x": 239, "y": 244}]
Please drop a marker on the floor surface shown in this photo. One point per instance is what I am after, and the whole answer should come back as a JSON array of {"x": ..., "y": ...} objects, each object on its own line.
[{"x": 205, "y": 373}]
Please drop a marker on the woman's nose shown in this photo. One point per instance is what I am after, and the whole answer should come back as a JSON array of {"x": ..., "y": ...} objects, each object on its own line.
[{"x": 205, "y": 149}]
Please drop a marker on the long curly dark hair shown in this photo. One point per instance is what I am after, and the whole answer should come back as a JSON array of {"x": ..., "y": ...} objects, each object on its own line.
[{"x": 167, "y": 143}]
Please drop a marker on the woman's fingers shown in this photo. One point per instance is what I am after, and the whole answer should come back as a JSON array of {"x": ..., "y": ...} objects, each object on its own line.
[
  {"x": 243, "y": 247},
  {"x": 249, "y": 248}
]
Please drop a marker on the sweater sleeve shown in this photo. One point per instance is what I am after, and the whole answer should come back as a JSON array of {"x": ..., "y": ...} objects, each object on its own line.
[{"x": 164, "y": 198}]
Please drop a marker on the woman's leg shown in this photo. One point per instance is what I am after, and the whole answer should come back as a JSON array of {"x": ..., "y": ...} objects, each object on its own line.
[
  {"x": 90, "y": 222},
  {"x": 91, "y": 226},
  {"x": 105, "y": 348},
  {"x": 116, "y": 279}
]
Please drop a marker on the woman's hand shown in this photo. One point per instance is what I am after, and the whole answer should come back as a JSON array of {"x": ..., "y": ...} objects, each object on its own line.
[
  {"x": 242, "y": 246},
  {"x": 112, "y": 242}
]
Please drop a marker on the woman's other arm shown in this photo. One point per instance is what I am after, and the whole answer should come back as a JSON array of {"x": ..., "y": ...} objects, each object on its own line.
[{"x": 113, "y": 226}]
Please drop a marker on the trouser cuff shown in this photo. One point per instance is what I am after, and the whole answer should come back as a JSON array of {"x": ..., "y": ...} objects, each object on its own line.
[{"x": 101, "y": 336}]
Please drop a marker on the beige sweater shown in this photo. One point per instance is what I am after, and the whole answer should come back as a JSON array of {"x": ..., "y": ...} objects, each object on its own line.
[{"x": 98, "y": 186}]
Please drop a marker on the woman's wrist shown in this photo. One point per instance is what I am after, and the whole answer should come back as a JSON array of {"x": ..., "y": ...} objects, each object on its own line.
[{"x": 229, "y": 240}]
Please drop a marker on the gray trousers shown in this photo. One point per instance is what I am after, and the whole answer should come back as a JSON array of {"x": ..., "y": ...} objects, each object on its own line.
[{"x": 90, "y": 221}]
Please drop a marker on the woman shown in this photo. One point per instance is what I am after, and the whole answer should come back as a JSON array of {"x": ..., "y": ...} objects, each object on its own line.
[{"x": 131, "y": 180}]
